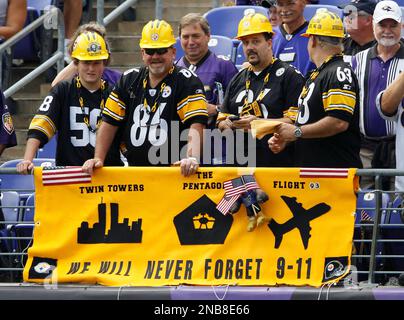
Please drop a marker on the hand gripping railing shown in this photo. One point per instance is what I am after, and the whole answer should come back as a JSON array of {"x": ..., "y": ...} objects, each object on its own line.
[{"x": 51, "y": 19}]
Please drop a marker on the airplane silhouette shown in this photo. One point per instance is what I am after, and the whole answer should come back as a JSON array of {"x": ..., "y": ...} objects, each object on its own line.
[{"x": 301, "y": 220}]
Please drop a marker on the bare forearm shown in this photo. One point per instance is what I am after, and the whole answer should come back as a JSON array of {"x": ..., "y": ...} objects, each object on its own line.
[
  {"x": 105, "y": 136},
  {"x": 393, "y": 95},
  {"x": 195, "y": 140},
  {"x": 31, "y": 148},
  {"x": 15, "y": 19},
  {"x": 326, "y": 127}
]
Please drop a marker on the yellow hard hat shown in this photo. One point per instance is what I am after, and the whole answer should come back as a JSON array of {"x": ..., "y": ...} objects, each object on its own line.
[
  {"x": 325, "y": 23},
  {"x": 90, "y": 46},
  {"x": 157, "y": 34},
  {"x": 252, "y": 24}
]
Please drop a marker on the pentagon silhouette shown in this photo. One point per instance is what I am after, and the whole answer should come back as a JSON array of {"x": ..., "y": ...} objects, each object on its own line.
[{"x": 202, "y": 223}]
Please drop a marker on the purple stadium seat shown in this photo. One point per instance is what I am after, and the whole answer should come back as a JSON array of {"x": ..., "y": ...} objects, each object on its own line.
[
  {"x": 178, "y": 47},
  {"x": 28, "y": 48},
  {"x": 224, "y": 21},
  {"x": 40, "y": 5},
  {"x": 222, "y": 46},
  {"x": 24, "y": 184},
  {"x": 240, "y": 57},
  {"x": 395, "y": 217},
  {"x": 311, "y": 9},
  {"x": 8, "y": 199},
  {"x": 333, "y": 2},
  {"x": 364, "y": 220},
  {"x": 49, "y": 149},
  {"x": 25, "y": 227}
]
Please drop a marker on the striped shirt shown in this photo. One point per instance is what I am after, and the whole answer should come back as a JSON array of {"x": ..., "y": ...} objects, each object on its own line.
[{"x": 375, "y": 75}]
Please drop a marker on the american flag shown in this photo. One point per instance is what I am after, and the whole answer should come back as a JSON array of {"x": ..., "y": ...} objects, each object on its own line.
[
  {"x": 365, "y": 216},
  {"x": 64, "y": 175},
  {"x": 226, "y": 203},
  {"x": 234, "y": 188},
  {"x": 323, "y": 173}
]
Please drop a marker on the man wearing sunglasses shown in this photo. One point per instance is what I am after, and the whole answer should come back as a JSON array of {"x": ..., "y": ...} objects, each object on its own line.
[{"x": 154, "y": 106}]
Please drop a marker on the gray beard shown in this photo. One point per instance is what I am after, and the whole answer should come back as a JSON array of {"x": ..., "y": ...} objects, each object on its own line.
[{"x": 388, "y": 42}]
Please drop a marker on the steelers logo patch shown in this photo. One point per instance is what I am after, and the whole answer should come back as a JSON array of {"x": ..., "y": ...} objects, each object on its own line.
[
  {"x": 280, "y": 72},
  {"x": 42, "y": 267},
  {"x": 166, "y": 92},
  {"x": 154, "y": 36},
  {"x": 94, "y": 48}
]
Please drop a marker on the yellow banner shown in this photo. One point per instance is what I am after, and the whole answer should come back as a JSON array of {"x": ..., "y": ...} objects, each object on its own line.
[{"x": 153, "y": 227}]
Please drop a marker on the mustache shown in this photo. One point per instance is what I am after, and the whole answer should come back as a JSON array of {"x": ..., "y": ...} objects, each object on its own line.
[{"x": 249, "y": 52}]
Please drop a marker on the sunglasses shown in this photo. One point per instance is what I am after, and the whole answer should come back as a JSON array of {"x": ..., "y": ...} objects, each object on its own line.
[{"x": 159, "y": 51}]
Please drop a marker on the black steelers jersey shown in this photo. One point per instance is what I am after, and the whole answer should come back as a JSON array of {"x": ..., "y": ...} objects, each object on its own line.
[
  {"x": 152, "y": 119},
  {"x": 276, "y": 90},
  {"x": 61, "y": 113},
  {"x": 331, "y": 90}
]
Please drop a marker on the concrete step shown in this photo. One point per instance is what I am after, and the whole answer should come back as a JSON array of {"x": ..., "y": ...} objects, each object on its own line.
[
  {"x": 124, "y": 43},
  {"x": 170, "y": 11},
  {"x": 21, "y": 136},
  {"x": 129, "y": 59},
  {"x": 22, "y": 120},
  {"x": 44, "y": 89},
  {"x": 16, "y": 152},
  {"x": 27, "y": 104},
  {"x": 135, "y": 27},
  {"x": 32, "y": 88}
]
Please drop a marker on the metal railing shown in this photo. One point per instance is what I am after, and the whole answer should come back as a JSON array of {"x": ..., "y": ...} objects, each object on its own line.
[
  {"x": 118, "y": 11},
  {"x": 51, "y": 19}
]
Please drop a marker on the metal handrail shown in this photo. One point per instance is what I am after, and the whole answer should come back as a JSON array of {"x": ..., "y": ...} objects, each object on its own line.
[
  {"x": 49, "y": 21},
  {"x": 114, "y": 13}
]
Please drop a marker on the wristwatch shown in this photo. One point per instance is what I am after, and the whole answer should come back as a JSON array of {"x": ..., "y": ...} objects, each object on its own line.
[{"x": 298, "y": 132}]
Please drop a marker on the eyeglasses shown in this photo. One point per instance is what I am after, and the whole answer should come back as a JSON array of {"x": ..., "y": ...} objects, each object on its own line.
[{"x": 159, "y": 51}]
